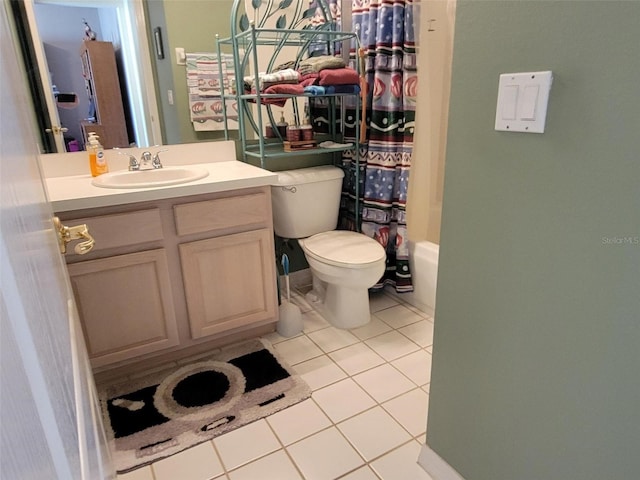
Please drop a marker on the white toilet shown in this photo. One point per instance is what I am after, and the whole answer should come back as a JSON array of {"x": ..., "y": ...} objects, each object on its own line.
[{"x": 343, "y": 264}]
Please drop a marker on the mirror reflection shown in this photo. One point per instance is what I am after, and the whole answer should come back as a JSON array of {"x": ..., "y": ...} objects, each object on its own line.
[{"x": 135, "y": 92}]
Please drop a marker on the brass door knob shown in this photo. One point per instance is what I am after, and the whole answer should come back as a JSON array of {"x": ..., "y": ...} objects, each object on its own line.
[{"x": 57, "y": 129}]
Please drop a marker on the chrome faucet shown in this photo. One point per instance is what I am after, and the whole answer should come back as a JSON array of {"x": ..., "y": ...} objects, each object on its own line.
[
  {"x": 154, "y": 159},
  {"x": 145, "y": 159}
]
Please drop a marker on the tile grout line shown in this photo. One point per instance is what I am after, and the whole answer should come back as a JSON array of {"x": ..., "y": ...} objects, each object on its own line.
[
  {"x": 219, "y": 455},
  {"x": 333, "y": 424},
  {"x": 286, "y": 450},
  {"x": 377, "y": 404},
  {"x": 349, "y": 376}
]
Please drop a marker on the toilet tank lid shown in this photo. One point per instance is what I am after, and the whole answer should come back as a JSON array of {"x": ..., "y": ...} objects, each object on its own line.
[{"x": 309, "y": 175}]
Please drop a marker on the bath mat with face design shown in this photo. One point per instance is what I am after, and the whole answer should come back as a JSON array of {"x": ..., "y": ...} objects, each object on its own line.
[{"x": 170, "y": 410}]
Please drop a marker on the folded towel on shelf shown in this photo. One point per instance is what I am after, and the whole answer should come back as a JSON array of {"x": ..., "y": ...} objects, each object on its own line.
[
  {"x": 314, "y": 90},
  {"x": 309, "y": 80},
  {"x": 340, "y": 76},
  {"x": 309, "y": 76},
  {"x": 268, "y": 79},
  {"x": 282, "y": 88},
  {"x": 285, "y": 66},
  {"x": 279, "y": 89},
  {"x": 278, "y": 102},
  {"x": 322, "y": 62},
  {"x": 285, "y": 88},
  {"x": 342, "y": 89}
]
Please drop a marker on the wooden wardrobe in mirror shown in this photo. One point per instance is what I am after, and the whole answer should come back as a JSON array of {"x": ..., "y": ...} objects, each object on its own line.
[{"x": 106, "y": 117}]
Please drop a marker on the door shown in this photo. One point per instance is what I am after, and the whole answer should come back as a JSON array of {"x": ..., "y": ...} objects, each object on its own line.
[
  {"x": 52, "y": 125},
  {"x": 51, "y": 425}
]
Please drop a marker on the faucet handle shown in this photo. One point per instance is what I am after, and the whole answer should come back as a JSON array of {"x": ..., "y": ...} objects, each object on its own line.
[
  {"x": 133, "y": 162},
  {"x": 156, "y": 163}
]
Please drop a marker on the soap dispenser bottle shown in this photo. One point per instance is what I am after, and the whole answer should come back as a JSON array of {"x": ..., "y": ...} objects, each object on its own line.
[
  {"x": 306, "y": 130},
  {"x": 282, "y": 126},
  {"x": 97, "y": 161}
]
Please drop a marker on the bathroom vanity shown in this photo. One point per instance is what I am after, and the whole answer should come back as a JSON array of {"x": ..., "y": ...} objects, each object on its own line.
[{"x": 175, "y": 270}]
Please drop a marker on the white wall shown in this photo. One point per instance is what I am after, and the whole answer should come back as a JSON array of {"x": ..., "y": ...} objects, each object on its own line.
[{"x": 435, "y": 53}]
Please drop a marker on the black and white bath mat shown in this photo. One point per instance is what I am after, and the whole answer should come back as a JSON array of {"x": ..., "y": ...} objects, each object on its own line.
[{"x": 171, "y": 410}]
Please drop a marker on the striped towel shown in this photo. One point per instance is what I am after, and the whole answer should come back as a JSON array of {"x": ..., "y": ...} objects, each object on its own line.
[{"x": 267, "y": 79}]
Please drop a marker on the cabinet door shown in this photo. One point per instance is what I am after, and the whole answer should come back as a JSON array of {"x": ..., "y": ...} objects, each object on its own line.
[
  {"x": 125, "y": 305},
  {"x": 229, "y": 282}
]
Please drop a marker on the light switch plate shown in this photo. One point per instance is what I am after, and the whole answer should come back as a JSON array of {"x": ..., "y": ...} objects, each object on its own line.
[
  {"x": 522, "y": 101},
  {"x": 181, "y": 57}
]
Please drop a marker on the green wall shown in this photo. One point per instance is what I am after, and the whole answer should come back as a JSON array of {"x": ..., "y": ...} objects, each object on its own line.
[
  {"x": 536, "y": 360},
  {"x": 192, "y": 25}
]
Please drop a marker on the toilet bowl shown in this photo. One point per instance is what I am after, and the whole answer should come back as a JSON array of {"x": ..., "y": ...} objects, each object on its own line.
[{"x": 344, "y": 265}]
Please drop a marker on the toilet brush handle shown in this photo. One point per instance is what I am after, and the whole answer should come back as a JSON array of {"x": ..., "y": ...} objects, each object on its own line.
[
  {"x": 286, "y": 281},
  {"x": 285, "y": 270}
]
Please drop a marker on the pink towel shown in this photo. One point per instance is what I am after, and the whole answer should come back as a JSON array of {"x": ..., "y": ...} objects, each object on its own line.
[
  {"x": 309, "y": 81},
  {"x": 285, "y": 88},
  {"x": 308, "y": 76},
  {"x": 338, "y": 76},
  {"x": 281, "y": 88}
]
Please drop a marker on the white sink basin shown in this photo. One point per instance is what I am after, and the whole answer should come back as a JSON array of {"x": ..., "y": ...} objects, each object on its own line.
[{"x": 150, "y": 178}]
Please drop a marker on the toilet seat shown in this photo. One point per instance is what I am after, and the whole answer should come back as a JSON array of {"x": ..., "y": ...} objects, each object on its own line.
[{"x": 342, "y": 248}]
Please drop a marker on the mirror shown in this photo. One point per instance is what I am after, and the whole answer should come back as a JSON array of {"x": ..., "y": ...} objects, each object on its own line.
[
  {"x": 52, "y": 49},
  {"x": 162, "y": 118}
]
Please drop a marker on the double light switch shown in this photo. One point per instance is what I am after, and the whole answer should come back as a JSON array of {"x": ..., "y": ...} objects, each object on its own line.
[{"x": 522, "y": 101}]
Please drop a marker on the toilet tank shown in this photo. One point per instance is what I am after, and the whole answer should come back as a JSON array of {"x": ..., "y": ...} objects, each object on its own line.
[{"x": 306, "y": 201}]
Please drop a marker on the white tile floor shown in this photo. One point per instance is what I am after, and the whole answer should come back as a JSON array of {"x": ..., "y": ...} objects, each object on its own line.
[{"x": 365, "y": 420}]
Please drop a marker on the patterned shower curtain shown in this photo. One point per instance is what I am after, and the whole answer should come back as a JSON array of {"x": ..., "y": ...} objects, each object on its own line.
[{"x": 387, "y": 34}]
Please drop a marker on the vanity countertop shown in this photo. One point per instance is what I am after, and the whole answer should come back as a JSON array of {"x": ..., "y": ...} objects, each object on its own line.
[
  {"x": 69, "y": 183},
  {"x": 75, "y": 192}
]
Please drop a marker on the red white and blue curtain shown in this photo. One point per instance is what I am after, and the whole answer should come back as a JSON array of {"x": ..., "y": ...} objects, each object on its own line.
[{"x": 386, "y": 29}]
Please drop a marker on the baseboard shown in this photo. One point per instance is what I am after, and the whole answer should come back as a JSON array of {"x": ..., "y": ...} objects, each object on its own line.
[
  {"x": 410, "y": 298},
  {"x": 435, "y": 465}
]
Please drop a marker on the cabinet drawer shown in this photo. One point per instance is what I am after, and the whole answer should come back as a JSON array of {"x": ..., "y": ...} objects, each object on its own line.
[
  {"x": 222, "y": 213},
  {"x": 122, "y": 229}
]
